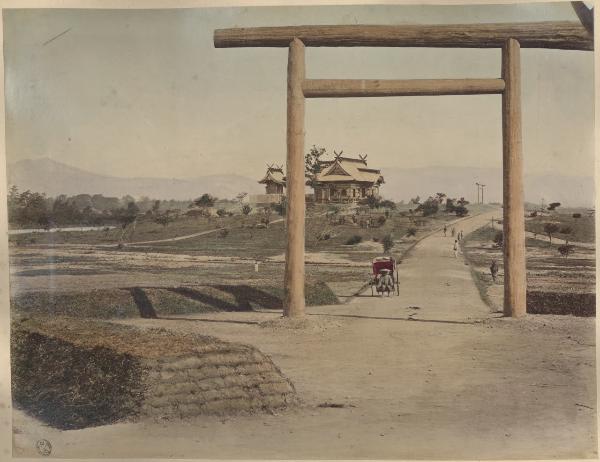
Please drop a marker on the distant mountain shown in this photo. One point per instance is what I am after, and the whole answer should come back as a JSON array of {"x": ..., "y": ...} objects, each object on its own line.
[
  {"x": 54, "y": 178},
  {"x": 404, "y": 184}
]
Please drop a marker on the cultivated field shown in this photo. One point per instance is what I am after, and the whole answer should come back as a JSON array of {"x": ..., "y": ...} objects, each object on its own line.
[{"x": 556, "y": 283}]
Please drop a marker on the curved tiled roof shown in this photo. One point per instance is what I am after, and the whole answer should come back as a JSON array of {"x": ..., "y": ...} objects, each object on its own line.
[
  {"x": 273, "y": 175},
  {"x": 344, "y": 169}
]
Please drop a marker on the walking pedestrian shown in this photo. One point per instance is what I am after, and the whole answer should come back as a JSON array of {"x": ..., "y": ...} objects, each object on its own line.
[
  {"x": 453, "y": 231},
  {"x": 494, "y": 269},
  {"x": 460, "y": 237},
  {"x": 455, "y": 248},
  {"x": 445, "y": 229}
]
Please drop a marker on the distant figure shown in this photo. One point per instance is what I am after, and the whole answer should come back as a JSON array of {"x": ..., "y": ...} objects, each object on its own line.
[
  {"x": 256, "y": 266},
  {"x": 386, "y": 283},
  {"x": 445, "y": 229},
  {"x": 453, "y": 231},
  {"x": 494, "y": 269},
  {"x": 460, "y": 235},
  {"x": 455, "y": 248}
]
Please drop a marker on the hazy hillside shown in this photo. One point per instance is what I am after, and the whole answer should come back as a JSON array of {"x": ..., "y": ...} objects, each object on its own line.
[
  {"x": 53, "y": 178},
  {"x": 403, "y": 184}
]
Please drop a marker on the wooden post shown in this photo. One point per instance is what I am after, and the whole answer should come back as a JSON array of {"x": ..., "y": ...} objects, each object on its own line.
[
  {"x": 515, "y": 277},
  {"x": 295, "y": 181}
]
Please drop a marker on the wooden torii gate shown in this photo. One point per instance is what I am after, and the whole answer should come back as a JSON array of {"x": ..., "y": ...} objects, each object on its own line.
[{"x": 563, "y": 35}]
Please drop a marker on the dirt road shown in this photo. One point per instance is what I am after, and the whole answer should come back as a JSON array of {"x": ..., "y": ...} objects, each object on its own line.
[{"x": 429, "y": 374}]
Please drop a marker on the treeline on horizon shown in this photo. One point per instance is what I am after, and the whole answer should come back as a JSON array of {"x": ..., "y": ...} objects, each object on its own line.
[{"x": 34, "y": 209}]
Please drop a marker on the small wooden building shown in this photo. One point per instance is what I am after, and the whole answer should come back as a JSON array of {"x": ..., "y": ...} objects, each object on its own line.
[
  {"x": 274, "y": 180},
  {"x": 345, "y": 179}
]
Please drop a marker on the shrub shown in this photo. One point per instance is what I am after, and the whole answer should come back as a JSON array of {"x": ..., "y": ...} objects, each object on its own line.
[
  {"x": 566, "y": 250},
  {"x": 461, "y": 211},
  {"x": 499, "y": 239},
  {"x": 388, "y": 204},
  {"x": 381, "y": 220},
  {"x": 550, "y": 229},
  {"x": 354, "y": 240},
  {"x": 411, "y": 232},
  {"x": 223, "y": 233},
  {"x": 221, "y": 212},
  {"x": 325, "y": 235},
  {"x": 577, "y": 215},
  {"x": 246, "y": 209}
]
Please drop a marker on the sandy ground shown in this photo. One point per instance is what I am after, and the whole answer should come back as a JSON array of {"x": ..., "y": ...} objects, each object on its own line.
[{"x": 429, "y": 374}]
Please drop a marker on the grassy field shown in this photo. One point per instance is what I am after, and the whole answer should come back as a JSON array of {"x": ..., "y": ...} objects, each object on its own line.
[
  {"x": 555, "y": 284},
  {"x": 581, "y": 229},
  {"x": 209, "y": 272}
]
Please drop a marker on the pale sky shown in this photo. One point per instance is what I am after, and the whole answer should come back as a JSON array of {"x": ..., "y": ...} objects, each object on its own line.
[{"x": 145, "y": 93}]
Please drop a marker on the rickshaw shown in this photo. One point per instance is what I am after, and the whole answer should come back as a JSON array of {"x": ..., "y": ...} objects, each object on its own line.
[{"x": 380, "y": 266}]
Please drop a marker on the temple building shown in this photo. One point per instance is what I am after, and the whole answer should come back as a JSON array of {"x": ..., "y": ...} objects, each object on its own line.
[
  {"x": 274, "y": 180},
  {"x": 345, "y": 179}
]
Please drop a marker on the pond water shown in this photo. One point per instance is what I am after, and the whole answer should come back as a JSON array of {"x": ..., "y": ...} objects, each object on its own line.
[{"x": 54, "y": 230}]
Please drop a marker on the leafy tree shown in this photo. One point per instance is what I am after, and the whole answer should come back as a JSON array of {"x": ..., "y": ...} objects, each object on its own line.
[
  {"x": 373, "y": 202},
  {"x": 553, "y": 205},
  {"x": 205, "y": 201},
  {"x": 387, "y": 243},
  {"x": 127, "y": 199},
  {"x": 312, "y": 164},
  {"x": 155, "y": 207},
  {"x": 64, "y": 211},
  {"x": 99, "y": 202},
  {"x": 246, "y": 209},
  {"x": 31, "y": 209},
  {"x": 429, "y": 207},
  {"x": 550, "y": 229},
  {"x": 128, "y": 215},
  {"x": 415, "y": 200}
]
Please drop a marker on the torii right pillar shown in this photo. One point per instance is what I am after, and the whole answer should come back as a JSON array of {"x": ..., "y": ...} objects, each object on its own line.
[{"x": 515, "y": 275}]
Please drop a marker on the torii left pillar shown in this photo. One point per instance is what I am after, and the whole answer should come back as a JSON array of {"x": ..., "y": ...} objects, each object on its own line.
[{"x": 295, "y": 181}]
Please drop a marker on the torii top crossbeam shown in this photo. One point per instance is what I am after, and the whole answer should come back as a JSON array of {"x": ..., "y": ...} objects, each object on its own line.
[{"x": 564, "y": 35}]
